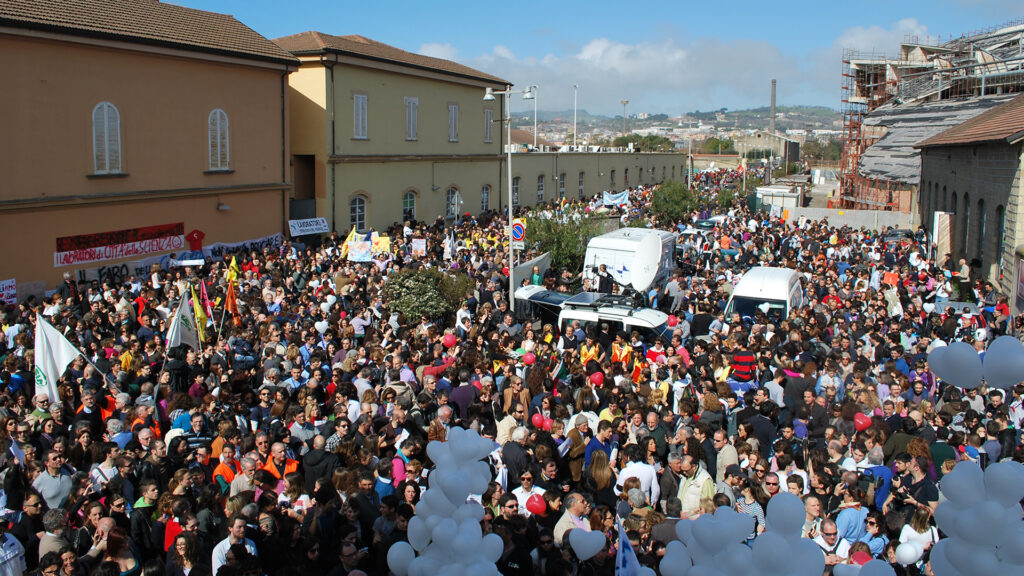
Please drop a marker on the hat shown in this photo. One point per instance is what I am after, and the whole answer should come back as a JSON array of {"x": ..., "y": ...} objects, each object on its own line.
[
  {"x": 146, "y": 401},
  {"x": 580, "y": 420},
  {"x": 733, "y": 470}
]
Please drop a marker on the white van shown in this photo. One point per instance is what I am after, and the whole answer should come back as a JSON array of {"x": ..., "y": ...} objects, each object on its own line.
[
  {"x": 618, "y": 250},
  {"x": 774, "y": 291}
]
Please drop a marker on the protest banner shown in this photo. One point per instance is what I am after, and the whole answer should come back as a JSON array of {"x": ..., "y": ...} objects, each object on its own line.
[{"x": 308, "y": 226}]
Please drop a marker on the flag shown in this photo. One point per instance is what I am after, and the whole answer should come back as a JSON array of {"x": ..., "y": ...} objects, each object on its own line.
[
  {"x": 350, "y": 238},
  {"x": 183, "y": 327},
  {"x": 626, "y": 563},
  {"x": 205, "y": 300},
  {"x": 231, "y": 304},
  {"x": 53, "y": 353},
  {"x": 233, "y": 270},
  {"x": 200, "y": 315}
]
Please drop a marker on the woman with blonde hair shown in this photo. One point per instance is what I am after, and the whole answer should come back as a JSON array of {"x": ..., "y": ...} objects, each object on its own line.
[
  {"x": 600, "y": 479},
  {"x": 920, "y": 529}
]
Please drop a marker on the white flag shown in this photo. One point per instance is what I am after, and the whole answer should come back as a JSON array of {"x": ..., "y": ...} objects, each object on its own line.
[
  {"x": 53, "y": 354},
  {"x": 183, "y": 327},
  {"x": 626, "y": 563}
]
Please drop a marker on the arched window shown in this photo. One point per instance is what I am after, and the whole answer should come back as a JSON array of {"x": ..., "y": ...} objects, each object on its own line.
[
  {"x": 978, "y": 249},
  {"x": 485, "y": 198},
  {"x": 452, "y": 203},
  {"x": 106, "y": 139},
  {"x": 965, "y": 231},
  {"x": 219, "y": 144},
  {"x": 408, "y": 206},
  {"x": 515, "y": 191},
  {"x": 357, "y": 212}
]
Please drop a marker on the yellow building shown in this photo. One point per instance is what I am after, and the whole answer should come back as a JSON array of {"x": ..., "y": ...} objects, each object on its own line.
[
  {"x": 380, "y": 135},
  {"x": 135, "y": 129}
]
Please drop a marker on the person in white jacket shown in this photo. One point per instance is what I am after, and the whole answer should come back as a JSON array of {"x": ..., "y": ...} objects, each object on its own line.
[{"x": 642, "y": 471}]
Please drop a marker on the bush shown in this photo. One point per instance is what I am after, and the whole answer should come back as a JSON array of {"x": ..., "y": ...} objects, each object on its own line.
[
  {"x": 565, "y": 242},
  {"x": 673, "y": 202},
  {"x": 426, "y": 292}
]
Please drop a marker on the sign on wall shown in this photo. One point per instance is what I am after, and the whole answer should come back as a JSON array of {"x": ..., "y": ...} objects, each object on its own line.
[
  {"x": 118, "y": 244},
  {"x": 308, "y": 226}
]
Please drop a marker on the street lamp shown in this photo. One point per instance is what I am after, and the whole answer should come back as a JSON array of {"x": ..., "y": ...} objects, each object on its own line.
[
  {"x": 624, "y": 102},
  {"x": 532, "y": 91},
  {"x": 575, "y": 88},
  {"x": 489, "y": 97}
]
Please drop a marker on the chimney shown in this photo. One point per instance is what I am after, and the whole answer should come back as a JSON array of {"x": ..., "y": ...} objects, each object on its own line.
[{"x": 771, "y": 122}]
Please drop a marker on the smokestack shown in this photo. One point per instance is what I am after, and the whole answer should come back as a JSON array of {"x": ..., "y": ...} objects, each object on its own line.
[{"x": 771, "y": 122}]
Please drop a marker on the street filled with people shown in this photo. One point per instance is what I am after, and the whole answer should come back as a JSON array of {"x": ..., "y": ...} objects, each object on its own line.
[{"x": 293, "y": 438}]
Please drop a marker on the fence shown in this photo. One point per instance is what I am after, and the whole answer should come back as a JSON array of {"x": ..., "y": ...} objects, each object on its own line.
[{"x": 873, "y": 219}]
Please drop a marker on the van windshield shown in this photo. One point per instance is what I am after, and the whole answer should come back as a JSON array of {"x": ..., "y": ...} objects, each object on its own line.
[{"x": 749, "y": 307}]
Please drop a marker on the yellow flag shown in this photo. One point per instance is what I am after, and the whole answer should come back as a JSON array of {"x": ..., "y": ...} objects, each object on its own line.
[
  {"x": 201, "y": 317},
  {"x": 233, "y": 270},
  {"x": 350, "y": 238}
]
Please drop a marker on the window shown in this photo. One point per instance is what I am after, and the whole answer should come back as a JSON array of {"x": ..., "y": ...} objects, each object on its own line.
[
  {"x": 359, "y": 129},
  {"x": 663, "y": 172},
  {"x": 625, "y": 177},
  {"x": 945, "y": 199},
  {"x": 106, "y": 139},
  {"x": 220, "y": 155},
  {"x": 485, "y": 198},
  {"x": 613, "y": 178},
  {"x": 964, "y": 232},
  {"x": 453, "y": 122},
  {"x": 540, "y": 188},
  {"x": 408, "y": 206},
  {"x": 488, "y": 125},
  {"x": 978, "y": 252},
  {"x": 515, "y": 191},
  {"x": 673, "y": 172},
  {"x": 452, "y": 203},
  {"x": 1000, "y": 234},
  {"x": 561, "y": 185},
  {"x": 357, "y": 213},
  {"x": 412, "y": 110},
  {"x": 581, "y": 184}
]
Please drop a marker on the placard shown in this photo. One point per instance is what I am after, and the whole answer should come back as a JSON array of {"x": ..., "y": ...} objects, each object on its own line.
[
  {"x": 9, "y": 292},
  {"x": 308, "y": 226},
  {"x": 419, "y": 246}
]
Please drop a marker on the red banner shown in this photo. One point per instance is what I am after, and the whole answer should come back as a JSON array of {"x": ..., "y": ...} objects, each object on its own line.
[
  {"x": 119, "y": 244},
  {"x": 131, "y": 235}
]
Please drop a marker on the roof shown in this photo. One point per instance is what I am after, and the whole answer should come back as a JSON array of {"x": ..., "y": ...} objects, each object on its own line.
[
  {"x": 1004, "y": 123},
  {"x": 524, "y": 138},
  {"x": 893, "y": 156},
  {"x": 145, "y": 22},
  {"x": 310, "y": 43},
  {"x": 763, "y": 279}
]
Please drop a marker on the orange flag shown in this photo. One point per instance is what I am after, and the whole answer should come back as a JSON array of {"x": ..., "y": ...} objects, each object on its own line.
[{"x": 231, "y": 304}]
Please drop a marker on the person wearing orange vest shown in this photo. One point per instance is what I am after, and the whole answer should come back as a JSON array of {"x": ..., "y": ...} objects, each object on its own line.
[
  {"x": 145, "y": 408},
  {"x": 279, "y": 464},
  {"x": 226, "y": 469},
  {"x": 591, "y": 350},
  {"x": 621, "y": 351}
]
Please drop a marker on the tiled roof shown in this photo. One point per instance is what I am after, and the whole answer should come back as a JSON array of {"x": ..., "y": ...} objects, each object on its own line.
[
  {"x": 306, "y": 43},
  {"x": 1001, "y": 123},
  {"x": 144, "y": 21},
  {"x": 525, "y": 137}
]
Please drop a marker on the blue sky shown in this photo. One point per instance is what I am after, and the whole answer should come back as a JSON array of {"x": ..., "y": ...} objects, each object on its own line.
[{"x": 661, "y": 55}]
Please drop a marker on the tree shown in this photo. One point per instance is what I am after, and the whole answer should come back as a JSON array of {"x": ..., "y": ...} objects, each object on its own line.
[
  {"x": 649, "y": 143},
  {"x": 718, "y": 146},
  {"x": 426, "y": 292},
  {"x": 672, "y": 201},
  {"x": 726, "y": 197},
  {"x": 565, "y": 241}
]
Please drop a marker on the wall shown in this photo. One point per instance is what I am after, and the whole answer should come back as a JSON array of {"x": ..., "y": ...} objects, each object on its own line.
[
  {"x": 871, "y": 219},
  {"x": 987, "y": 172}
]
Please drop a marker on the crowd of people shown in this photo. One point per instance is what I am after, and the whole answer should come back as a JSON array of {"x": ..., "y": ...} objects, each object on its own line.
[{"x": 293, "y": 441}]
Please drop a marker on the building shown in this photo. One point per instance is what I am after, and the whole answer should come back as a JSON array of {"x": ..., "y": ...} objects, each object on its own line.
[
  {"x": 971, "y": 193},
  {"x": 135, "y": 129},
  {"x": 891, "y": 103},
  {"x": 380, "y": 135}
]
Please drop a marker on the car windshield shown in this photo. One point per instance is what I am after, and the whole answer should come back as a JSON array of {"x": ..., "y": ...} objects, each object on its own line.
[{"x": 749, "y": 307}]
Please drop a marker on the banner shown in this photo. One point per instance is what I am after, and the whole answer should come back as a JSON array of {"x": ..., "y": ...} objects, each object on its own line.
[
  {"x": 419, "y": 246},
  {"x": 359, "y": 251},
  {"x": 9, "y": 292},
  {"x": 616, "y": 199},
  {"x": 118, "y": 244},
  {"x": 308, "y": 226},
  {"x": 183, "y": 327}
]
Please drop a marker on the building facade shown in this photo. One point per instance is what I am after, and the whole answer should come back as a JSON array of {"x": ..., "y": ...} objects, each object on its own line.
[{"x": 135, "y": 130}]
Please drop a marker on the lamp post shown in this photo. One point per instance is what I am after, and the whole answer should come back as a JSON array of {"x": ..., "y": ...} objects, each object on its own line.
[
  {"x": 624, "y": 102},
  {"x": 489, "y": 97},
  {"x": 575, "y": 89},
  {"x": 532, "y": 90}
]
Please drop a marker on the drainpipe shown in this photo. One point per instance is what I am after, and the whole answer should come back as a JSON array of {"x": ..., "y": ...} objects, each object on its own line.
[{"x": 329, "y": 66}]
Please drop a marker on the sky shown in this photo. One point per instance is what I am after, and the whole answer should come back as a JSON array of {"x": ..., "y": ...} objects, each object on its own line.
[{"x": 664, "y": 56}]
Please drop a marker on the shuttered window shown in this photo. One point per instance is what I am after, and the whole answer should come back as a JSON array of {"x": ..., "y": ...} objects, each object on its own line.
[
  {"x": 106, "y": 139},
  {"x": 359, "y": 124},
  {"x": 219, "y": 141}
]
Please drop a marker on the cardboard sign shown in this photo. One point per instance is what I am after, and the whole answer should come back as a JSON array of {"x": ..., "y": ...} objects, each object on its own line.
[
  {"x": 9, "y": 292},
  {"x": 419, "y": 246},
  {"x": 308, "y": 226}
]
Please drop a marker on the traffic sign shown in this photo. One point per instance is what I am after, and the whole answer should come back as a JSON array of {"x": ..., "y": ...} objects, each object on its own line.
[
  {"x": 518, "y": 230},
  {"x": 518, "y": 245}
]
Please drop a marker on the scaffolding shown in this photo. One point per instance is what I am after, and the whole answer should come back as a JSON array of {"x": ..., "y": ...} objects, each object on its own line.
[{"x": 980, "y": 64}]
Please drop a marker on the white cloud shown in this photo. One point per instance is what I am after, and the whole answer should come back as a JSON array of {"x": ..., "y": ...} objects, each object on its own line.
[
  {"x": 885, "y": 41},
  {"x": 439, "y": 50}
]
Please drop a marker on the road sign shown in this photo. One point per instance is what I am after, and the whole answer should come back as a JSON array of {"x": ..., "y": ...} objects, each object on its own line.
[
  {"x": 518, "y": 230},
  {"x": 518, "y": 245}
]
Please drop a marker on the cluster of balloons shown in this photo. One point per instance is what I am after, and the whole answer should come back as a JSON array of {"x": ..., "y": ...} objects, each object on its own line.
[
  {"x": 982, "y": 520},
  {"x": 329, "y": 301},
  {"x": 712, "y": 545},
  {"x": 445, "y": 535},
  {"x": 961, "y": 365},
  {"x": 541, "y": 421}
]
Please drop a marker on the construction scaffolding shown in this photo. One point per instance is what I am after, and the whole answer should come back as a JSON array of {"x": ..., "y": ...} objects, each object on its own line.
[{"x": 890, "y": 104}]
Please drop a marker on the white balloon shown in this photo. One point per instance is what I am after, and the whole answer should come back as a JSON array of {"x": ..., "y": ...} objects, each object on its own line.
[
  {"x": 314, "y": 284},
  {"x": 424, "y": 566},
  {"x": 400, "y": 555},
  {"x": 983, "y": 523},
  {"x": 771, "y": 551},
  {"x": 322, "y": 326},
  {"x": 941, "y": 565},
  {"x": 492, "y": 546},
  {"x": 444, "y": 532},
  {"x": 1011, "y": 546},
  {"x": 1004, "y": 482},
  {"x": 645, "y": 571},
  {"x": 467, "y": 541},
  {"x": 1004, "y": 362},
  {"x": 964, "y": 365},
  {"x": 735, "y": 559},
  {"x": 331, "y": 299},
  {"x": 676, "y": 561},
  {"x": 325, "y": 307},
  {"x": 963, "y": 485},
  {"x": 877, "y": 568},
  {"x": 585, "y": 544},
  {"x": 907, "y": 554},
  {"x": 786, "y": 513},
  {"x": 807, "y": 557},
  {"x": 684, "y": 531},
  {"x": 419, "y": 534},
  {"x": 846, "y": 569},
  {"x": 937, "y": 362}
]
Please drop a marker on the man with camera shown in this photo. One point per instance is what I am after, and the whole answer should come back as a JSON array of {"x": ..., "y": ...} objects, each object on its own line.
[{"x": 912, "y": 491}]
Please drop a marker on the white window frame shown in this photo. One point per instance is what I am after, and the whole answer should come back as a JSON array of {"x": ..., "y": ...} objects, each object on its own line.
[
  {"x": 360, "y": 111},
  {"x": 452, "y": 202},
  {"x": 106, "y": 139},
  {"x": 409, "y": 194},
  {"x": 561, "y": 185},
  {"x": 218, "y": 130},
  {"x": 485, "y": 198},
  {"x": 488, "y": 125},
  {"x": 453, "y": 122},
  {"x": 515, "y": 191},
  {"x": 412, "y": 112},
  {"x": 581, "y": 184},
  {"x": 540, "y": 188},
  {"x": 357, "y": 212}
]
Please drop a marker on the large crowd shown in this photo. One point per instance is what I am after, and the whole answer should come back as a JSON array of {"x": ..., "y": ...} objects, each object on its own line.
[{"x": 293, "y": 441}]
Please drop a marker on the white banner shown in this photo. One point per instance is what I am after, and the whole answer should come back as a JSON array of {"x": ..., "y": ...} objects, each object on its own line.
[
  {"x": 616, "y": 199},
  {"x": 9, "y": 292},
  {"x": 308, "y": 226},
  {"x": 118, "y": 251}
]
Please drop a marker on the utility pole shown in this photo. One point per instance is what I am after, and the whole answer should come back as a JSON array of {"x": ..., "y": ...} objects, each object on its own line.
[
  {"x": 575, "y": 88},
  {"x": 624, "y": 102}
]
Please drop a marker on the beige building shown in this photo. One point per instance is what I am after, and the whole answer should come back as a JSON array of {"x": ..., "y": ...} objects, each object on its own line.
[
  {"x": 973, "y": 172},
  {"x": 380, "y": 135},
  {"x": 134, "y": 129}
]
